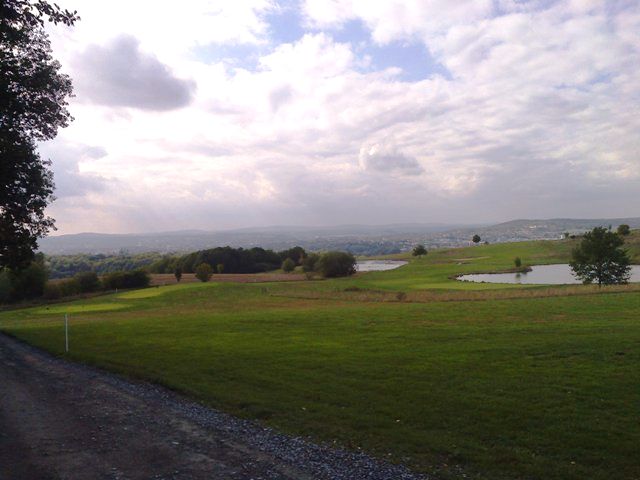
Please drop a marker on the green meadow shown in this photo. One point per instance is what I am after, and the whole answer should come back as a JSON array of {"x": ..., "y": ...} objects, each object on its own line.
[{"x": 493, "y": 381}]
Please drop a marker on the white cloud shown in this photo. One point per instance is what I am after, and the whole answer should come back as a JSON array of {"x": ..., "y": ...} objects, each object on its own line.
[
  {"x": 540, "y": 106},
  {"x": 119, "y": 74},
  {"x": 387, "y": 158}
]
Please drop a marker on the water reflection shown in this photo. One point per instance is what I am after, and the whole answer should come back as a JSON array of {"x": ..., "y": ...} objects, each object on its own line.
[
  {"x": 559, "y": 274},
  {"x": 378, "y": 265}
]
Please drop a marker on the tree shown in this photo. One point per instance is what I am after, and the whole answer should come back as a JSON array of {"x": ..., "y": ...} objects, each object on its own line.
[
  {"x": 32, "y": 108},
  {"x": 296, "y": 254},
  {"x": 419, "y": 250},
  {"x": 476, "y": 239},
  {"x": 336, "y": 264},
  {"x": 204, "y": 272},
  {"x": 87, "y": 281},
  {"x": 309, "y": 262},
  {"x": 518, "y": 262},
  {"x": 624, "y": 229},
  {"x": 178, "y": 274},
  {"x": 600, "y": 258},
  {"x": 288, "y": 265},
  {"x": 133, "y": 279},
  {"x": 220, "y": 268}
]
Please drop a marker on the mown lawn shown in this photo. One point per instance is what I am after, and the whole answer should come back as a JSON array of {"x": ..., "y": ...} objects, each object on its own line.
[{"x": 520, "y": 388}]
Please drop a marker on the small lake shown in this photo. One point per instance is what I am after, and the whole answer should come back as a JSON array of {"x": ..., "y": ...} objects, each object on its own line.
[
  {"x": 560, "y": 274},
  {"x": 378, "y": 265}
]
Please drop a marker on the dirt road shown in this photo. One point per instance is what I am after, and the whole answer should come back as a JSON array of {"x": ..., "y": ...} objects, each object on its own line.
[{"x": 60, "y": 420}]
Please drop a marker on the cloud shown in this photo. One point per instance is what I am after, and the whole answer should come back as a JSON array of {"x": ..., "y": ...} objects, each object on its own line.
[
  {"x": 397, "y": 19},
  {"x": 168, "y": 29},
  {"x": 70, "y": 179},
  {"x": 386, "y": 158},
  {"x": 119, "y": 74},
  {"x": 539, "y": 107}
]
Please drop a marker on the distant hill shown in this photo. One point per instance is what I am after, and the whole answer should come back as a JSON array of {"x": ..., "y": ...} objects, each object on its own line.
[
  {"x": 273, "y": 237},
  {"x": 358, "y": 239}
]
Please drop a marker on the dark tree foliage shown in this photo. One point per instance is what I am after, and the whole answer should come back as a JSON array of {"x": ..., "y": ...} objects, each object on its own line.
[
  {"x": 178, "y": 274},
  {"x": 28, "y": 282},
  {"x": 288, "y": 265},
  {"x": 336, "y": 264},
  {"x": 204, "y": 272},
  {"x": 119, "y": 280},
  {"x": 309, "y": 262},
  {"x": 476, "y": 238},
  {"x": 624, "y": 229},
  {"x": 600, "y": 258},
  {"x": 419, "y": 250},
  {"x": 235, "y": 260},
  {"x": 87, "y": 282},
  {"x": 32, "y": 108},
  {"x": 64, "y": 266},
  {"x": 296, "y": 254}
]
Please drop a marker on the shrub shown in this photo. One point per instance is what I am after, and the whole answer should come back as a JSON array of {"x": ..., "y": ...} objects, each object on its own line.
[
  {"x": 476, "y": 239},
  {"x": 178, "y": 274},
  {"x": 336, "y": 264},
  {"x": 52, "y": 291},
  {"x": 28, "y": 282},
  {"x": 133, "y": 279},
  {"x": 87, "y": 281},
  {"x": 624, "y": 229},
  {"x": 297, "y": 254},
  {"x": 288, "y": 265},
  {"x": 419, "y": 250},
  {"x": 5, "y": 287},
  {"x": 204, "y": 272},
  {"x": 309, "y": 262},
  {"x": 518, "y": 262},
  {"x": 220, "y": 268},
  {"x": 68, "y": 287}
]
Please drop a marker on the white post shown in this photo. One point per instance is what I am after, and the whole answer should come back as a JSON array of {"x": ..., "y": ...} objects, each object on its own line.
[{"x": 66, "y": 332}]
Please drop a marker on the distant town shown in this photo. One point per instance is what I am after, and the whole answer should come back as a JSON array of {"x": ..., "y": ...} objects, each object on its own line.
[{"x": 358, "y": 239}]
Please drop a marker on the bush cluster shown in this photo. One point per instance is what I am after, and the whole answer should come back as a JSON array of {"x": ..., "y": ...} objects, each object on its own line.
[
  {"x": 229, "y": 260},
  {"x": 23, "y": 284},
  {"x": 330, "y": 264},
  {"x": 120, "y": 280},
  {"x": 336, "y": 264},
  {"x": 83, "y": 282}
]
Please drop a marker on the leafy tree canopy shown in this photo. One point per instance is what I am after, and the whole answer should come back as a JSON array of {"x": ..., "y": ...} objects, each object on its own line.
[
  {"x": 419, "y": 250},
  {"x": 600, "y": 258},
  {"x": 33, "y": 107},
  {"x": 624, "y": 229},
  {"x": 204, "y": 272},
  {"x": 336, "y": 264},
  {"x": 288, "y": 265}
]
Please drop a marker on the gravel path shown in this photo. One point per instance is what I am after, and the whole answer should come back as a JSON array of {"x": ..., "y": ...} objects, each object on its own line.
[{"x": 60, "y": 420}]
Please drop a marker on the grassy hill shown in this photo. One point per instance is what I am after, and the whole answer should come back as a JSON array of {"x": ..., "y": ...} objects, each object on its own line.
[{"x": 488, "y": 380}]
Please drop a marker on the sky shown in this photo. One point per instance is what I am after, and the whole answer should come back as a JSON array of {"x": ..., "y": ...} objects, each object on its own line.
[{"x": 211, "y": 114}]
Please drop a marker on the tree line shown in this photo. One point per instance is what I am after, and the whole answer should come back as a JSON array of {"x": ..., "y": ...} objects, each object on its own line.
[
  {"x": 65, "y": 266},
  {"x": 33, "y": 282},
  {"x": 229, "y": 260}
]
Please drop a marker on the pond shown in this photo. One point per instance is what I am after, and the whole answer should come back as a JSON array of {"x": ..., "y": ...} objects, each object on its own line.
[
  {"x": 378, "y": 265},
  {"x": 560, "y": 274}
]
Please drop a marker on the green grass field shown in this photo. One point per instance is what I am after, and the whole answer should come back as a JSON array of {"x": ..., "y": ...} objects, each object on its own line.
[{"x": 491, "y": 380}]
